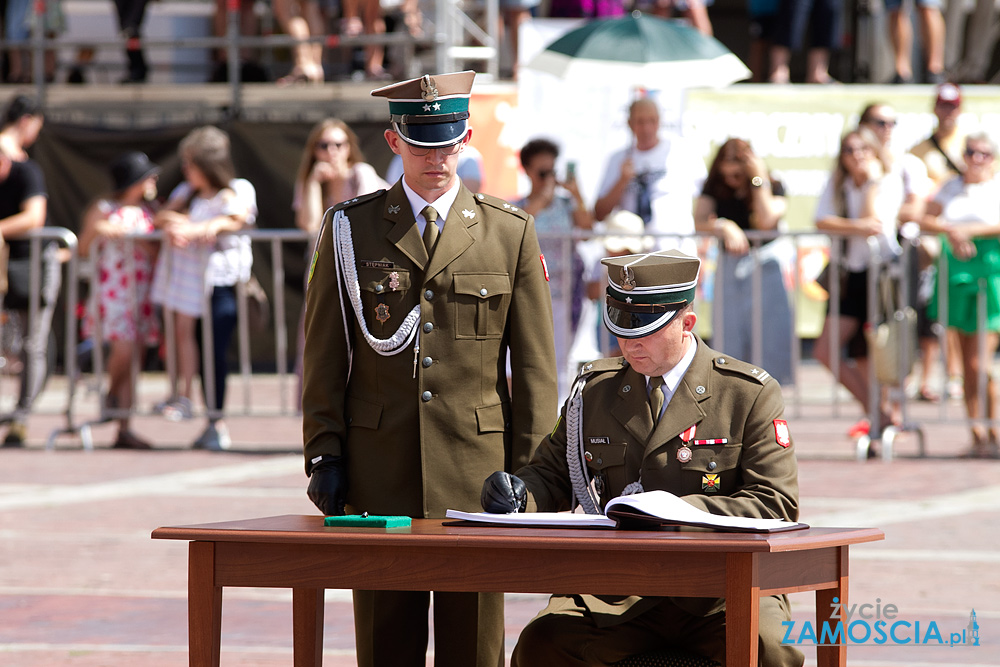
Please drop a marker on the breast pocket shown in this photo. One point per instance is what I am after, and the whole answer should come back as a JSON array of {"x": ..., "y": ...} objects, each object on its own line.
[
  {"x": 713, "y": 469},
  {"x": 606, "y": 465},
  {"x": 384, "y": 298},
  {"x": 481, "y": 303}
]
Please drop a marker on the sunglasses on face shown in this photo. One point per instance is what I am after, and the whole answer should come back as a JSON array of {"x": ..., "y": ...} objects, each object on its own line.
[
  {"x": 855, "y": 150},
  {"x": 882, "y": 123},
  {"x": 327, "y": 145},
  {"x": 420, "y": 151},
  {"x": 973, "y": 153}
]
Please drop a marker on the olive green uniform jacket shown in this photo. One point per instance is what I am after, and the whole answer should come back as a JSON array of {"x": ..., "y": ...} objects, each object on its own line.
[
  {"x": 421, "y": 431},
  {"x": 755, "y": 475}
]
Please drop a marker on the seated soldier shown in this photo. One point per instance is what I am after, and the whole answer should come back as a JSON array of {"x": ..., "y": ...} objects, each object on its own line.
[{"x": 671, "y": 414}]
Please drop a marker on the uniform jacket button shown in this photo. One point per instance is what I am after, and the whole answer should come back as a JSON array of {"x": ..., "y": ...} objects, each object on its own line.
[
  {"x": 427, "y": 361},
  {"x": 711, "y": 465},
  {"x": 379, "y": 288},
  {"x": 428, "y": 327},
  {"x": 426, "y": 396},
  {"x": 428, "y": 294},
  {"x": 483, "y": 292}
]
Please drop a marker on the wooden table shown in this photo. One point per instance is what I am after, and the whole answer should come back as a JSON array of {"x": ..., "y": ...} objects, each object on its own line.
[{"x": 298, "y": 552}]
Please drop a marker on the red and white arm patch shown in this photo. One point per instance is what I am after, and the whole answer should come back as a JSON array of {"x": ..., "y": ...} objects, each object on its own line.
[
  {"x": 545, "y": 268},
  {"x": 781, "y": 434}
]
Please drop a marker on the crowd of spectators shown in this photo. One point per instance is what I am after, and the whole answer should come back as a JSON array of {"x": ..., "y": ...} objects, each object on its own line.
[{"x": 653, "y": 195}]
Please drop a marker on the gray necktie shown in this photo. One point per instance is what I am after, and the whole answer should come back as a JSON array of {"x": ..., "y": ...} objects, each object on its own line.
[
  {"x": 656, "y": 397},
  {"x": 431, "y": 230}
]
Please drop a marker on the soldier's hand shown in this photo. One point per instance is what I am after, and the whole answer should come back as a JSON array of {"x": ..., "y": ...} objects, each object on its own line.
[
  {"x": 328, "y": 486},
  {"x": 504, "y": 493}
]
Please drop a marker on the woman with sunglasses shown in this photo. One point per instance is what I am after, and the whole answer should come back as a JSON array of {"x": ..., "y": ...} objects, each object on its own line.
[
  {"x": 966, "y": 213},
  {"x": 332, "y": 170},
  {"x": 739, "y": 194},
  {"x": 859, "y": 202}
]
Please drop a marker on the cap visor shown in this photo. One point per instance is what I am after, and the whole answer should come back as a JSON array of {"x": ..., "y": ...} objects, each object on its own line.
[
  {"x": 432, "y": 135},
  {"x": 624, "y": 324}
]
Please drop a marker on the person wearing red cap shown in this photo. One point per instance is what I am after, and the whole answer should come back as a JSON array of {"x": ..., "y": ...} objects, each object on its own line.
[{"x": 942, "y": 151}]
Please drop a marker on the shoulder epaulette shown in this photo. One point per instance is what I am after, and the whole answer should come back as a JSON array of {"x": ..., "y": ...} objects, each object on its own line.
[
  {"x": 605, "y": 365},
  {"x": 729, "y": 364},
  {"x": 502, "y": 205},
  {"x": 360, "y": 199}
]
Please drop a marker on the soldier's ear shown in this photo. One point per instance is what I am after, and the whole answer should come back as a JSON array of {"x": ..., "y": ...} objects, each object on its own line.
[
  {"x": 689, "y": 319},
  {"x": 393, "y": 140}
]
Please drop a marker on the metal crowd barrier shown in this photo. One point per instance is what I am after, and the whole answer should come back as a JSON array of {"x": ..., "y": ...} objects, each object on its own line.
[
  {"x": 287, "y": 405},
  {"x": 68, "y": 242},
  {"x": 898, "y": 269},
  {"x": 449, "y": 27},
  {"x": 796, "y": 400}
]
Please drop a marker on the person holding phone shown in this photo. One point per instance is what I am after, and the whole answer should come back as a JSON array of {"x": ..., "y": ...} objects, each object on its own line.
[
  {"x": 558, "y": 208},
  {"x": 657, "y": 177}
]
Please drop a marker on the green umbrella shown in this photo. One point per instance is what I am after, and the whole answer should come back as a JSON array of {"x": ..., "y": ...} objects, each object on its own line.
[{"x": 641, "y": 50}]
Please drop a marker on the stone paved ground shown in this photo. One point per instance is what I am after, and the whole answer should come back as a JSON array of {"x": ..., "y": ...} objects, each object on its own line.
[{"x": 82, "y": 585}]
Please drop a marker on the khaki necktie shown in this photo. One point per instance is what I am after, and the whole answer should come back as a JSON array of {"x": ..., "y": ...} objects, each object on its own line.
[
  {"x": 431, "y": 230},
  {"x": 656, "y": 397}
]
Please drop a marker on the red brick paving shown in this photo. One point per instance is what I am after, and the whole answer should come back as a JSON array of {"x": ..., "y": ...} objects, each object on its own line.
[{"x": 82, "y": 585}]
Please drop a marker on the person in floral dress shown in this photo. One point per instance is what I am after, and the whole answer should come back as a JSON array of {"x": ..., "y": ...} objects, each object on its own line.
[{"x": 123, "y": 272}]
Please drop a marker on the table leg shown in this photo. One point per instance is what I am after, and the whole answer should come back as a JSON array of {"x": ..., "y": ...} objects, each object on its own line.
[
  {"x": 833, "y": 654},
  {"x": 307, "y": 626},
  {"x": 204, "y": 607},
  {"x": 742, "y": 608}
]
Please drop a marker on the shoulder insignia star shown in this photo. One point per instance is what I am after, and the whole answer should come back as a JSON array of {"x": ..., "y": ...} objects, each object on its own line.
[
  {"x": 394, "y": 209},
  {"x": 427, "y": 107},
  {"x": 467, "y": 213},
  {"x": 506, "y": 205},
  {"x": 437, "y": 106},
  {"x": 754, "y": 371},
  {"x": 628, "y": 299}
]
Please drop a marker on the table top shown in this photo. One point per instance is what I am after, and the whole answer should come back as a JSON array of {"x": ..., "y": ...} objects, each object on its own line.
[{"x": 303, "y": 529}]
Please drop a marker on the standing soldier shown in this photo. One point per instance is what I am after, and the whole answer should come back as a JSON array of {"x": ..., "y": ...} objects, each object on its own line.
[{"x": 416, "y": 297}]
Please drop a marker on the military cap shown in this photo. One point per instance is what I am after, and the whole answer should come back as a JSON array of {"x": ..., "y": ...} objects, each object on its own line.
[
  {"x": 646, "y": 291},
  {"x": 431, "y": 111}
]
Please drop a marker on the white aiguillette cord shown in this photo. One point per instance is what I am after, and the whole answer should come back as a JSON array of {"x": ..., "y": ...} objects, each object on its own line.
[
  {"x": 343, "y": 247},
  {"x": 575, "y": 450}
]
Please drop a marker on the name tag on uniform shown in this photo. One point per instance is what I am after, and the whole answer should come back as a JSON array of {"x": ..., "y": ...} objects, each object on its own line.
[
  {"x": 600, "y": 440},
  {"x": 375, "y": 264}
]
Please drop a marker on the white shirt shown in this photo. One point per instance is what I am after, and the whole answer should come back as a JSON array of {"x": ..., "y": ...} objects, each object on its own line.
[
  {"x": 675, "y": 174},
  {"x": 673, "y": 378},
  {"x": 442, "y": 204}
]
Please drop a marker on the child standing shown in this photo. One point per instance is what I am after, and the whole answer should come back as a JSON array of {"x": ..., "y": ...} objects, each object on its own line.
[
  {"x": 125, "y": 313},
  {"x": 198, "y": 209}
]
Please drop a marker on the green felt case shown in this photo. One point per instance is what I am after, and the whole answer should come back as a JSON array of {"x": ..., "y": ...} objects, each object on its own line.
[{"x": 367, "y": 521}]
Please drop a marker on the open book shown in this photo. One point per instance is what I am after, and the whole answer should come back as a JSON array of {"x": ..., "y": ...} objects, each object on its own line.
[{"x": 639, "y": 510}]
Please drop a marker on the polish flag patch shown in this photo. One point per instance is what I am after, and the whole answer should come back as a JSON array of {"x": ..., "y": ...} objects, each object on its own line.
[
  {"x": 781, "y": 434},
  {"x": 545, "y": 268}
]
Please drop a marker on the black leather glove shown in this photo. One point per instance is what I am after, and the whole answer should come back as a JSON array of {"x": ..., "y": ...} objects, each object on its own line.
[
  {"x": 328, "y": 486},
  {"x": 504, "y": 493}
]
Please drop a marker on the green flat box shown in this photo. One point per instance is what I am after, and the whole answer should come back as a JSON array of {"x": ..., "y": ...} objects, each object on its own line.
[{"x": 371, "y": 521}]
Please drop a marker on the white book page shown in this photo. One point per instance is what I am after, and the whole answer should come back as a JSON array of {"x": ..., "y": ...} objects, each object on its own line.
[
  {"x": 535, "y": 518},
  {"x": 666, "y": 505}
]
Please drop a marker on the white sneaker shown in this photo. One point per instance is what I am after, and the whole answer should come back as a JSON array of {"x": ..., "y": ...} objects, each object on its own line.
[{"x": 215, "y": 438}]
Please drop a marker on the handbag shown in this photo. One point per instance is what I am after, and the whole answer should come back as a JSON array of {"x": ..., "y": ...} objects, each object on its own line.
[{"x": 892, "y": 343}]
